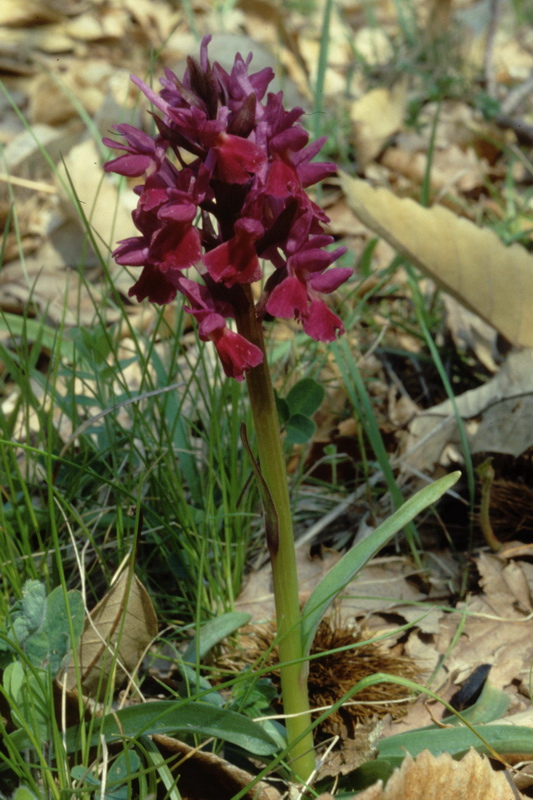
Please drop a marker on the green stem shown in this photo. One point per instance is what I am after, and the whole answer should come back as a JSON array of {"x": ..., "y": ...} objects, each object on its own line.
[{"x": 280, "y": 541}]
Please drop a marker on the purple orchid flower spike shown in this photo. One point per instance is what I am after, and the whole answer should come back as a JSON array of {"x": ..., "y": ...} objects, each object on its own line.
[{"x": 224, "y": 186}]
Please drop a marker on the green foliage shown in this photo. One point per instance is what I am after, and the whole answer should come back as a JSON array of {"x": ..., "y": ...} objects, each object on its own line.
[
  {"x": 295, "y": 411},
  {"x": 355, "y": 559},
  {"x": 42, "y": 628},
  {"x": 117, "y": 783}
]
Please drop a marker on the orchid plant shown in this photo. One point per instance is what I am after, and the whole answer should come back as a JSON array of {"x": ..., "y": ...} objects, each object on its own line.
[{"x": 224, "y": 195}]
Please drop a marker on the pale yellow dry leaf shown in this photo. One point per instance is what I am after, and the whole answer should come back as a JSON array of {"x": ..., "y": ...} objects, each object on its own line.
[
  {"x": 116, "y": 636},
  {"x": 21, "y": 13},
  {"x": 471, "y": 263},
  {"x": 373, "y": 45},
  {"x": 108, "y": 213},
  {"x": 376, "y": 116},
  {"x": 429, "y": 777}
]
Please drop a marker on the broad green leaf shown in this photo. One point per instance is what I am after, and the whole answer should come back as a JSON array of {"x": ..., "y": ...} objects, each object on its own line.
[
  {"x": 30, "y": 708},
  {"x": 299, "y": 429},
  {"x": 305, "y": 397},
  {"x": 57, "y": 625},
  {"x": 197, "y": 684},
  {"x": 33, "y": 603},
  {"x": 174, "y": 718},
  {"x": 491, "y": 704},
  {"x": 505, "y": 739},
  {"x": 213, "y": 632},
  {"x": 346, "y": 569}
]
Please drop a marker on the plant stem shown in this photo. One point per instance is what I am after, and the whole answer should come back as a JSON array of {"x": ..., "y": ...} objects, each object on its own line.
[{"x": 280, "y": 540}]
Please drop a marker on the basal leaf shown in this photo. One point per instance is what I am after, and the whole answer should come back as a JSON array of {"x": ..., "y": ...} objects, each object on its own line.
[{"x": 346, "y": 569}]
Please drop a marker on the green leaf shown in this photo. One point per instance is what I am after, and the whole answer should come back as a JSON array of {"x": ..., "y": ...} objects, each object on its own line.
[
  {"x": 213, "y": 632},
  {"x": 57, "y": 626},
  {"x": 299, "y": 429},
  {"x": 171, "y": 717},
  {"x": 491, "y": 704},
  {"x": 283, "y": 408},
  {"x": 23, "y": 793},
  {"x": 305, "y": 397},
  {"x": 30, "y": 707},
  {"x": 35, "y": 330},
  {"x": 33, "y": 604},
  {"x": 505, "y": 739},
  {"x": 346, "y": 569}
]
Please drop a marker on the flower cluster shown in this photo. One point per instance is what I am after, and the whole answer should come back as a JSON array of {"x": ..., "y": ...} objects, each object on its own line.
[{"x": 224, "y": 186}]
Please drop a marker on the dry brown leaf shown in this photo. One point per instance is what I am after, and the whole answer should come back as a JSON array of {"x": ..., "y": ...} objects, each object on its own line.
[
  {"x": 470, "y": 332},
  {"x": 388, "y": 586},
  {"x": 451, "y": 169},
  {"x": 497, "y": 629},
  {"x": 429, "y": 777},
  {"x": 501, "y": 414},
  {"x": 257, "y": 597},
  {"x": 471, "y": 263},
  {"x": 376, "y": 116},
  {"x": 56, "y": 293},
  {"x": 116, "y": 636},
  {"x": 207, "y": 776}
]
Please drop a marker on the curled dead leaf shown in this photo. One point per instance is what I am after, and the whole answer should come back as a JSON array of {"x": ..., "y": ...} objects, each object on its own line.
[
  {"x": 207, "y": 776},
  {"x": 116, "y": 636},
  {"x": 430, "y": 777}
]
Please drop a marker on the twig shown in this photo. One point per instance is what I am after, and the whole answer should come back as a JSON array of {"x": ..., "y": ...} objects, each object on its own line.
[{"x": 490, "y": 81}]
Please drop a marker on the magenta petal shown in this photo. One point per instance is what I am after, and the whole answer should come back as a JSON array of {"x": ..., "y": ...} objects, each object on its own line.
[
  {"x": 310, "y": 260},
  {"x": 288, "y": 299},
  {"x": 282, "y": 180},
  {"x": 315, "y": 172},
  {"x": 237, "y": 158},
  {"x": 155, "y": 285},
  {"x": 133, "y": 252},
  {"x": 290, "y": 139},
  {"x": 235, "y": 261},
  {"x": 179, "y": 212},
  {"x": 129, "y": 165},
  {"x": 236, "y": 353},
  {"x": 176, "y": 247},
  {"x": 331, "y": 280},
  {"x": 321, "y": 323}
]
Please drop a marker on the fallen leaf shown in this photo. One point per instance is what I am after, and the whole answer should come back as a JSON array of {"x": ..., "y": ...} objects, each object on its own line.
[
  {"x": 116, "y": 636},
  {"x": 471, "y": 263},
  {"x": 376, "y": 116},
  {"x": 207, "y": 776},
  {"x": 106, "y": 210},
  {"x": 55, "y": 292},
  {"x": 451, "y": 169},
  {"x": 429, "y": 777},
  {"x": 501, "y": 414}
]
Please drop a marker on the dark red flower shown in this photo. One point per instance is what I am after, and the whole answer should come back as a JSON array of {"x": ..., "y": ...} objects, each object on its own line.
[{"x": 224, "y": 187}]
